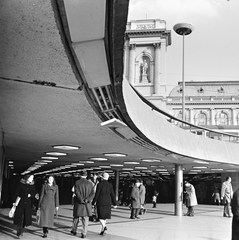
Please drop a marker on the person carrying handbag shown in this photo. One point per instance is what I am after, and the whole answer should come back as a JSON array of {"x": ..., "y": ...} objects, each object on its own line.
[{"x": 24, "y": 194}]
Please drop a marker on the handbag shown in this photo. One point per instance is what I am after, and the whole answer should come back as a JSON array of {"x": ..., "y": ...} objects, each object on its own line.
[
  {"x": 224, "y": 201},
  {"x": 12, "y": 211},
  {"x": 38, "y": 216}
]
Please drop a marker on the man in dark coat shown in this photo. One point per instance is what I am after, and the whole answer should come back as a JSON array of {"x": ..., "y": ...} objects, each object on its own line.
[
  {"x": 135, "y": 200},
  {"x": 84, "y": 191},
  {"x": 235, "y": 212}
]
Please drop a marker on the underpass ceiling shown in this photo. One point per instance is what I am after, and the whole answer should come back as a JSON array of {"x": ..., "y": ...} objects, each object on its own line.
[{"x": 35, "y": 117}]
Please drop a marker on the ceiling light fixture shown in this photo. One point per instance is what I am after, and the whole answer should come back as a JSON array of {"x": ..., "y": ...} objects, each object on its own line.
[
  {"x": 131, "y": 162},
  {"x": 200, "y": 167},
  {"x": 116, "y": 165},
  {"x": 141, "y": 167},
  {"x": 66, "y": 147},
  {"x": 151, "y": 160},
  {"x": 98, "y": 159},
  {"x": 50, "y": 158},
  {"x": 115, "y": 154},
  {"x": 56, "y": 153},
  {"x": 86, "y": 162},
  {"x": 200, "y": 162}
]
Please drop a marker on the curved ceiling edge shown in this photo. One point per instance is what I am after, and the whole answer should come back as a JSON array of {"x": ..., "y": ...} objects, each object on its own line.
[{"x": 155, "y": 127}]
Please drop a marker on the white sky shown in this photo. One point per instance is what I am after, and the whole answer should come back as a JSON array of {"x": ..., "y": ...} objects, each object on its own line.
[{"x": 211, "y": 51}]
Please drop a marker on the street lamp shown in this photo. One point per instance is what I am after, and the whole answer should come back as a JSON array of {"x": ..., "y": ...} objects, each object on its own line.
[{"x": 183, "y": 29}]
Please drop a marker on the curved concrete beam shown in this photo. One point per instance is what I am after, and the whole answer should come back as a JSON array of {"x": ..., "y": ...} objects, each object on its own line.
[{"x": 154, "y": 126}]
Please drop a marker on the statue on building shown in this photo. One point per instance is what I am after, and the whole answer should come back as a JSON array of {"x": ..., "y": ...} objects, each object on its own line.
[{"x": 144, "y": 71}]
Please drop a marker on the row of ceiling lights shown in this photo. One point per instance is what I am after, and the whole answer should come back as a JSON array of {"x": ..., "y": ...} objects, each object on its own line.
[{"x": 54, "y": 155}]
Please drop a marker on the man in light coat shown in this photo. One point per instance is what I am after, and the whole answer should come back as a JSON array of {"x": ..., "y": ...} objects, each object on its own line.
[
  {"x": 226, "y": 196},
  {"x": 142, "y": 193},
  {"x": 84, "y": 191}
]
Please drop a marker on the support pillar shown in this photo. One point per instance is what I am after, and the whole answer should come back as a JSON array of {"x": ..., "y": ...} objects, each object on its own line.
[
  {"x": 234, "y": 120},
  {"x": 212, "y": 117},
  {"x": 117, "y": 173},
  {"x": 157, "y": 69},
  {"x": 178, "y": 190},
  {"x": 126, "y": 59},
  {"x": 132, "y": 64}
]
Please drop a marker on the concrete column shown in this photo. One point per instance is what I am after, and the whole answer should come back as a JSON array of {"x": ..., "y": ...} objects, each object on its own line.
[
  {"x": 157, "y": 69},
  {"x": 126, "y": 59},
  {"x": 178, "y": 190},
  {"x": 117, "y": 184},
  {"x": 191, "y": 115},
  {"x": 234, "y": 120},
  {"x": 163, "y": 50},
  {"x": 132, "y": 64},
  {"x": 212, "y": 116}
]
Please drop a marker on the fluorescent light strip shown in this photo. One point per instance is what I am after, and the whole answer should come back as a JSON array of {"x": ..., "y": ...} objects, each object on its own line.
[
  {"x": 66, "y": 147},
  {"x": 115, "y": 154},
  {"x": 131, "y": 163},
  {"x": 98, "y": 159},
  {"x": 56, "y": 153}
]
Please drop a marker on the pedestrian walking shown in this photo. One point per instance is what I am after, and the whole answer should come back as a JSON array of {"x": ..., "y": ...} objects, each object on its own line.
[
  {"x": 24, "y": 195},
  {"x": 48, "y": 204},
  {"x": 84, "y": 191},
  {"x": 135, "y": 200},
  {"x": 226, "y": 197},
  {"x": 104, "y": 199},
  {"x": 191, "y": 198},
  {"x": 142, "y": 193}
]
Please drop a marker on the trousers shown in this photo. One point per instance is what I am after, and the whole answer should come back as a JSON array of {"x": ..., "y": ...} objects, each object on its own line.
[{"x": 85, "y": 222}]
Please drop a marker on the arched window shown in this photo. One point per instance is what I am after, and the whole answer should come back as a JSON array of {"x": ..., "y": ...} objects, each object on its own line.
[
  {"x": 222, "y": 119},
  {"x": 202, "y": 119}
]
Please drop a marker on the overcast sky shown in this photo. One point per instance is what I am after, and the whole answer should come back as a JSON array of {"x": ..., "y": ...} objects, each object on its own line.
[{"x": 211, "y": 51}]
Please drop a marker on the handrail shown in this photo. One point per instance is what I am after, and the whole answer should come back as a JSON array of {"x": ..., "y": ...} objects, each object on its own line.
[{"x": 184, "y": 124}]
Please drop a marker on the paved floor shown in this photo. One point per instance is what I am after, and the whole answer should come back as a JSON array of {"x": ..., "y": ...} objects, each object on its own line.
[{"x": 156, "y": 224}]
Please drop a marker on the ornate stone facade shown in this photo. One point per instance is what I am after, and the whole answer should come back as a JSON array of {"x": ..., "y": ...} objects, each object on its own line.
[{"x": 144, "y": 59}]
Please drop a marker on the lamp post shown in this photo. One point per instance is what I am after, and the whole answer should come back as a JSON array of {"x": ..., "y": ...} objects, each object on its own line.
[{"x": 183, "y": 29}]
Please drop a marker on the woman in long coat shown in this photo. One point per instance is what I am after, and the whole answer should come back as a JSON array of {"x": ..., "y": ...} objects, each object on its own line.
[
  {"x": 191, "y": 199},
  {"x": 24, "y": 194},
  {"x": 104, "y": 199},
  {"x": 48, "y": 204},
  {"x": 135, "y": 200}
]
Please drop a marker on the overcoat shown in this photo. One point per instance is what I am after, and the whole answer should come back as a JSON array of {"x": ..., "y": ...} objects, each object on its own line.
[
  {"x": 49, "y": 200},
  {"x": 235, "y": 212},
  {"x": 226, "y": 191},
  {"x": 135, "y": 198},
  {"x": 191, "y": 196},
  {"x": 104, "y": 198},
  {"x": 84, "y": 191},
  {"x": 25, "y": 204},
  {"x": 142, "y": 192}
]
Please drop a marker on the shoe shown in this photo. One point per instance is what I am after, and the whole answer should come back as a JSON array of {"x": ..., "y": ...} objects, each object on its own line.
[
  {"x": 132, "y": 217},
  {"x": 83, "y": 235},
  {"x": 103, "y": 232},
  {"x": 44, "y": 235},
  {"x": 73, "y": 233},
  {"x": 137, "y": 217}
]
